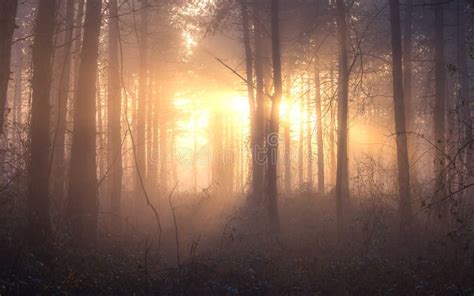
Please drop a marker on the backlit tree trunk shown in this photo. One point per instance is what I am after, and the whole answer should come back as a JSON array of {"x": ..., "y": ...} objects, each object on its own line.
[
  {"x": 440, "y": 111},
  {"x": 400, "y": 123},
  {"x": 342, "y": 170},
  {"x": 259, "y": 164},
  {"x": 272, "y": 141},
  {"x": 319, "y": 126},
  {"x": 64, "y": 83},
  {"x": 7, "y": 25},
  {"x": 114, "y": 155},
  {"x": 38, "y": 185},
  {"x": 82, "y": 192}
]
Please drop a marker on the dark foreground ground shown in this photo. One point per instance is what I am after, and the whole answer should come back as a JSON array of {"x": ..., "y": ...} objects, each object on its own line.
[{"x": 234, "y": 257}]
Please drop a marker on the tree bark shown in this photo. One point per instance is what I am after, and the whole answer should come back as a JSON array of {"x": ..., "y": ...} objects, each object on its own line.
[
  {"x": 114, "y": 156},
  {"x": 405, "y": 214},
  {"x": 342, "y": 170},
  {"x": 82, "y": 192},
  {"x": 287, "y": 138},
  {"x": 319, "y": 124},
  {"x": 7, "y": 26},
  {"x": 259, "y": 164},
  {"x": 142, "y": 107},
  {"x": 440, "y": 112},
  {"x": 64, "y": 83},
  {"x": 38, "y": 186},
  {"x": 309, "y": 137},
  {"x": 272, "y": 141}
]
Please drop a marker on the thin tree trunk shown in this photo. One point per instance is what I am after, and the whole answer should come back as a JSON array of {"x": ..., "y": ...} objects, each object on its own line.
[
  {"x": 400, "y": 121},
  {"x": 272, "y": 141},
  {"x": 7, "y": 25},
  {"x": 64, "y": 83},
  {"x": 114, "y": 156},
  {"x": 319, "y": 124},
  {"x": 142, "y": 106},
  {"x": 309, "y": 137},
  {"x": 300, "y": 147},
  {"x": 440, "y": 112},
  {"x": 332, "y": 131},
  {"x": 38, "y": 187},
  {"x": 259, "y": 164},
  {"x": 342, "y": 170},
  {"x": 82, "y": 192},
  {"x": 287, "y": 138}
]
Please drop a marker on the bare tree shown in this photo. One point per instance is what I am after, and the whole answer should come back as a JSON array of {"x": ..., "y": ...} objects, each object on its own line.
[
  {"x": 439, "y": 115},
  {"x": 342, "y": 170},
  {"x": 82, "y": 191},
  {"x": 114, "y": 157},
  {"x": 38, "y": 185},
  {"x": 64, "y": 83},
  {"x": 272, "y": 141},
  {"x": 319, "y": 126},
  {"x": 400, "y": 121},
  {"x": 7, "y": 25}
]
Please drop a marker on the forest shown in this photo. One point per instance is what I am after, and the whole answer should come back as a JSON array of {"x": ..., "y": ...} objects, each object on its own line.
[{"x": 236, "y": 147}]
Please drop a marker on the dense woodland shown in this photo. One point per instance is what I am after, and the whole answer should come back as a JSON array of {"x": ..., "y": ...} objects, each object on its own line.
[{"x": 236, "y": 147}]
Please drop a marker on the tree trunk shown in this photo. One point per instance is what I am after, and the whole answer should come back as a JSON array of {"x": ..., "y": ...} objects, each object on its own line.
[
  {"x": 287, "y": 138},
  {"x": 64, "y": 83},
  {"x": 319, "y": 124},
  {"x": 114, "y": 156},
  {"x": 38, "y": 186},
  {"x": 7, "y": 25},
  {"x": 140, "y": 144},
  {"x": 342, "y": 170},
  {"x": 400, "y": 123},
  {"x": 300, "y": 146},
  {"x": 259, "y": 164},
  {"x": 309, "y": 137},
  {"x": 82, "y": 192},
  {"x": 440, "y": 112},
  {"x": 272, "y": 141}
]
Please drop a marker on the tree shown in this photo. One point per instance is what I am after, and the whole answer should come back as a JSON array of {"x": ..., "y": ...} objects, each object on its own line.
[
  {"x": 400, "y": 121},
  {"x": 272, "y": 140},
  {"x": 114, "y": 157},
  {"x": 259, "y": 142},
  {"x": 142, "y": 103},
  {"x": 319, "y": 126},
  {"x": 440, "y": 110},
  {"x": 7, "y": 25},
  {"x": 64, "y": 83},
  {"x": 38, "y": 185},
  {"x": 342, "y": 169},
  {"x": 82, "y": 192}
]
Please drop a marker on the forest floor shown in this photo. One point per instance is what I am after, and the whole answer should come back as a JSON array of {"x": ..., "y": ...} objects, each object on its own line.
[{"x": 234, "y": 257}]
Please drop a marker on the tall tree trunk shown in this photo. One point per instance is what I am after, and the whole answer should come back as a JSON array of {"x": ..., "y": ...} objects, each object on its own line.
[
  {"x": 300, "y": 146},
  {"x": 400, "y": 123},
  {"x": 287, "y": 138},
  {"x": 319, "y": 124},
  {"x": 249, "y": 63},
  {"x": 309, "y": 136},
  {"x": 78, "y": 24},
  {"x": 272, "y": 141},
  {"x": 440, "y": 111},
  {"x": 7, "y": 25},
  {"x": 464, "y": 100},
  {"x": 38, "y": 186},
  {"x": 64, "y": 83},
  {"x": 259, "y": 164},
  {"x": 342, "y": 170},
  {"x": 114, "y": 156},
  {"x": 332, "y": 131},
  {"x": 82, "y": 191},
  {"x": 142, "y": 106}
]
